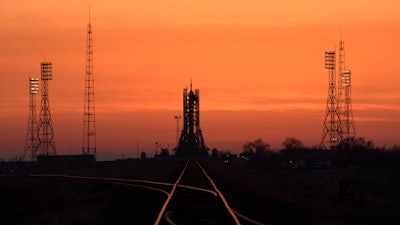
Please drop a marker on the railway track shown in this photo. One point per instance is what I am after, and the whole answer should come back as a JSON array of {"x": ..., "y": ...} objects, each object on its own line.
[
  {"x": 192, "y": 199},
  {"x": 203, "y": 205}
]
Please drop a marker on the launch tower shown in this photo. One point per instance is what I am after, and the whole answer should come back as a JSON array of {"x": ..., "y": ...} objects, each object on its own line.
[{"x": 191, "y": 142}]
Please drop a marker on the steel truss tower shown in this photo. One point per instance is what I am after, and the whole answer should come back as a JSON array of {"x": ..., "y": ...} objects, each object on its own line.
[
  {"x": 347, "y": 127},
  {"x": 191, "y": 142},
  {"x": 31, "y": 139},
  {"x": 46, "y": 142},
  {"x": 331, "y": 134},
  {"x": 89, "y": 121}
]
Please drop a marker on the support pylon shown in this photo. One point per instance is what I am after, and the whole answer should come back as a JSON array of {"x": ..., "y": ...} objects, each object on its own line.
[
  {"x": 46, "y": 142},
  {"x": 31, "y": 139}
]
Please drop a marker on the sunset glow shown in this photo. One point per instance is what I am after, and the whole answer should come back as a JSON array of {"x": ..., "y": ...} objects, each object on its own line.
[{"x": 258, "y": 65}]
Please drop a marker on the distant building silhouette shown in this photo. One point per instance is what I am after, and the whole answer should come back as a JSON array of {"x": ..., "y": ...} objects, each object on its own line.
[
  {"x": 143, "y": 155},
  {"x": 191, "y": 142}
]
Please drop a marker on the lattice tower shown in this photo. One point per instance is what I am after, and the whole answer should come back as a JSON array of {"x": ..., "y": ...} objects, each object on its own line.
[
  {"x": 46, "y": 141},
  {"x": 340, "y": 87},
  {"x": 347, "y": 127},
  {"x": 89, "y": 120},
  {"x": 31, "y": 139},
  {"x": 331, "y": 134}
]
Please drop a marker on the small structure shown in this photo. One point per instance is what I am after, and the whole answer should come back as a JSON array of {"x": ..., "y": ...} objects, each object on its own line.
[
  {"x": 307, "y": 159},
  {"x": 143, "y": 155}
]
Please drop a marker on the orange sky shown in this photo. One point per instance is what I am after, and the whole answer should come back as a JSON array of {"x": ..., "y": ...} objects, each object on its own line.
[{"x": 258, "y": 65}]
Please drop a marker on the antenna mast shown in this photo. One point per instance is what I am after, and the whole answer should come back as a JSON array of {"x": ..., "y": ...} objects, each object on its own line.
[
  {"x": 347, "y": 127},
  {"x": 89, "y": 121}
]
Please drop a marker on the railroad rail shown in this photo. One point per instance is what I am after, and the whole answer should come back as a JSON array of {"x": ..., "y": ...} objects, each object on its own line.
[
  {"x": 189, "y": 206},
  {"x": 193, "y": 199}
]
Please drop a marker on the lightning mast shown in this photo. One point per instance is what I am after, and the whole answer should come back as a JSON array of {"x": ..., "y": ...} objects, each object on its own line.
[
  {"x": 31, "y": 139},
  {"x": 89, "y": 121},
  {"x": 340, "y": 87},
  {"x": 331, "y": 134},
  {"x": 347, "y": 127},
  {"x": 46, "y": 142}
]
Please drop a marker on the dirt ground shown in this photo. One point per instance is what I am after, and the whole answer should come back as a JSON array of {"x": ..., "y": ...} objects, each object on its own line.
[
  {"x": 51, "y": 200},
  {"x": 310, "y": 196},
  {"x": 272, "y": 196}
]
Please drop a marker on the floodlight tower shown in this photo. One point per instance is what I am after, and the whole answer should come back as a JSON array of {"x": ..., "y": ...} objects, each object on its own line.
[
  {"x": 31, "y": 139},
  {"x": 191, "y": 142},
  {"x": 89, "y": 120},
  {"x": 347, "y": 127},
  {"x": 46, "y": 142},
  {"x": 331, "y": 134}
]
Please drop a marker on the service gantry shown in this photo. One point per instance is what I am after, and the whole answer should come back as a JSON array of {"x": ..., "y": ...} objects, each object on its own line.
[
  {"x": 89, "y": 120},
  {"x": 191, "y": 142},
  {"x": 46, "y": 142},
  {"x": 31, "y": 139}
]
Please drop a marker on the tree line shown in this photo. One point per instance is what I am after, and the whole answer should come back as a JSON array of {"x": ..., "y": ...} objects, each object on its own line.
[{"x": 353, "y": 151}]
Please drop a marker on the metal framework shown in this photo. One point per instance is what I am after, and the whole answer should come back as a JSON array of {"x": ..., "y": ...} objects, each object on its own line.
[
  {"x": 46, "y": 142},
  {"x": 191, "y": 142},
  {"x": 31, "y": 139},
  {"x": 347, "y": 127},
  {"x": 89, "y": 120},
  {"x": 331, "y": 134}
]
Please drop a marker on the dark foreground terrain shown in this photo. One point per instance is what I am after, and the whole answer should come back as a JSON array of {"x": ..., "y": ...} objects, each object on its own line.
[
  {"x": 311, "y": 196},
  {"x": 38, "y": 200},
  {"x": 271, "y": 196}
]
